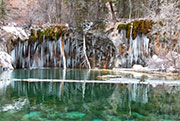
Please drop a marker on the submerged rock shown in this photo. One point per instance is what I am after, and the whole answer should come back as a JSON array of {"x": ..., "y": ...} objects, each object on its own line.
[{"x": 5, "y": 61}]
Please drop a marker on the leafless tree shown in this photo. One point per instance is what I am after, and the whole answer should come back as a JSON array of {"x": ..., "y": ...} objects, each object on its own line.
[{"x": 2, "y": 10}]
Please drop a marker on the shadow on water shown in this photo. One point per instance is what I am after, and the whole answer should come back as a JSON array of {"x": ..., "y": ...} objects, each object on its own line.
[{"x": 47, "y": 101}]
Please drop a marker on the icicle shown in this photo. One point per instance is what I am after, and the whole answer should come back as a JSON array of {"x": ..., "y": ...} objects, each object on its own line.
[
  {"x": 130, "y": 46},
  {"x": 135, "y": 49},
  {"x": 42, "y": 56},
  {"x": 29, "y": 59},
  {"x": 146, "y": 43}
]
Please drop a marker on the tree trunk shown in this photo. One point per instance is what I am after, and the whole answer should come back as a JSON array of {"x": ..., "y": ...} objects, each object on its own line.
[
  {"x": 130, "y": 6},
  {"x": 119, "y": 8},
  {"x": 84, "y": 49},
  {"x": 124, "y": 9},
  {"x": 112, "y": 11},
  {"x": 58, "y": 11},
  {"x": 62, "y": 51}
]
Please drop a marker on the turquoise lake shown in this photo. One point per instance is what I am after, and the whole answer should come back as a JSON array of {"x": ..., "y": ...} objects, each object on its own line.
[{"x": 64, "y": 101}]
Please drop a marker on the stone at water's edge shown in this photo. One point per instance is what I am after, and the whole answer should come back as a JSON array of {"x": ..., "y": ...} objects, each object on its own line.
[{"x": 6, "y": 61}]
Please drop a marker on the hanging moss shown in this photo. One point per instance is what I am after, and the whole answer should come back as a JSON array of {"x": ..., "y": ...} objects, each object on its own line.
[
  {"x": 51, "y": 33},
  {"x": 139, "y": 26},
  {"x": 122, "y": 27},
  {"x": 40, "y": 36},
  {"x": 33, "y": 37},
  {"x": 128, "y": 30}
]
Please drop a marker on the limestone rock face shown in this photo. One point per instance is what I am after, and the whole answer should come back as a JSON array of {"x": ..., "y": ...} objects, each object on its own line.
[
  {"x": 32, "y": 11},
  {"x": 5, "y": 61},
  {"x": 21, "y": 11},
  {"x": 169, "y": 62},
  {"x": 9, "y": 35}
]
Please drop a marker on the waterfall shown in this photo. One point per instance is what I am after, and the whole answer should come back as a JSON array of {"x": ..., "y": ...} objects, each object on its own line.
[
  {"x": 131, "y": 46},
  {"x": 68, "y": 51},
  {"x": 39, "y": 55},
  {"x": 131, "y": 50},
  {"x": 139, "y": 49}
]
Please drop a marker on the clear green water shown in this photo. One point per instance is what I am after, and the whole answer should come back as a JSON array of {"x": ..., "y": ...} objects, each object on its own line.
[
  {"x": 70, "y": 74},
  {"x": 51, "y": 101}
]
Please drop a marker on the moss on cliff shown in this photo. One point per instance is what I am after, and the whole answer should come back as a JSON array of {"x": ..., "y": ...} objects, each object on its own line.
[
  {"x": 51, "y": 33},
  {"x": 139, "y": 26}
]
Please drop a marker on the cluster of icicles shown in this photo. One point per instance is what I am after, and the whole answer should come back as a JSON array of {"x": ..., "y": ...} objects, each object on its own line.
[
  {"x": 72, "y": 53},
  {"x": 66, "y": 52},
  {"x": 46, "y": 54},
  {"x": 137, "y": 50}
]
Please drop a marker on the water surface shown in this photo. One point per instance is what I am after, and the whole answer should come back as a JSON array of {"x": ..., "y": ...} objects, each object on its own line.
[
  {"x": 68, "y": 74},
  {"x": 50, "y": 101},
  {"x": 64, "y": 101}
]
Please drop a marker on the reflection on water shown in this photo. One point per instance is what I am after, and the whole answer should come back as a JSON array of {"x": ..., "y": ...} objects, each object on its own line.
[
  {"x": 47, "y": 101},
  {"x": 68, "y": 74},
  {"x": 77, "y": 74}
]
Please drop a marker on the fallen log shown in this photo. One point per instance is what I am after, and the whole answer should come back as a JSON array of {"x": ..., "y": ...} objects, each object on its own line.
[{"x": 117, "y": 81}]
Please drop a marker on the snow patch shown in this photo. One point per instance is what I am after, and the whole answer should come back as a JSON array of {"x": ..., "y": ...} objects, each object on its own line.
[
  {"x": 17, "y": 31},
  {"x": 6, "y": 61}
]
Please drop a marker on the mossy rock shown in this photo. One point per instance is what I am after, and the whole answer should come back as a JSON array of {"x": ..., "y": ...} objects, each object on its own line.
[
  {"x": 121, "y": 27},
  {"x": 33, "y": 36},
  {"x": 139, "y": 26},
  {"x": 51, "y": 33},
  {"x": 128, "y": 30}
]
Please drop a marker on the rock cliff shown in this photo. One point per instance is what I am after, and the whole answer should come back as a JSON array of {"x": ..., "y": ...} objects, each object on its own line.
[{"x": 25, "y": 11}]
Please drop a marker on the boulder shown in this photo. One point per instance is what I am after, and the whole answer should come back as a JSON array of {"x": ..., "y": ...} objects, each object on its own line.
[
  {"x": 169, "y": 62},
  {"x": 6, "y": 61},
  {"x": 137, "y": 67}
]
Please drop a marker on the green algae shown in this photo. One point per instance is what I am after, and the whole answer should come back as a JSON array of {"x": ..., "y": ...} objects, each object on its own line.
[
  {"x": 71, "y": 115},
  {"x": 97, "y": 120},
  {"x": 113, "y": 118}
]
